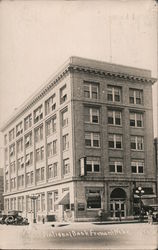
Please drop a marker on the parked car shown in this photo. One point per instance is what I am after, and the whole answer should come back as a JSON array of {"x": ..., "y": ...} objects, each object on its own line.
[{"x": 13, "y": 218}]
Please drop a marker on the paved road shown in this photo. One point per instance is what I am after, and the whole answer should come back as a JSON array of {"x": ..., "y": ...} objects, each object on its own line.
[{"x": 79, "y": 236}]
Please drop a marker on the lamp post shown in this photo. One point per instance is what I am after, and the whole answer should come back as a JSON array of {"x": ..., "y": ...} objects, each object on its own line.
[
  {"x": 140, "y": 192},
  {"x": 34, "y": 197}
]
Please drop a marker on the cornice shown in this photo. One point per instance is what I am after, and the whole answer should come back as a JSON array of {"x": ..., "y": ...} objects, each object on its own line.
[{"x": 71, "y": 66}]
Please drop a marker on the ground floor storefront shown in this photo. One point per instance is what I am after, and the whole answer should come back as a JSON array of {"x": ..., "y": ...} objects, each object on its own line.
[{"x": 82, "y": 201}]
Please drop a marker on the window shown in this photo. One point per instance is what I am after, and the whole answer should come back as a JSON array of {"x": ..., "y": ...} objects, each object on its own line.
[
  {"x": 114, "y": 93},
  {"x": 21, "y": 203},
  {"x": 6, "y": 154},
  {"x": 63, "y": 94},
  {"x": 52, "y": 170},
  {"x": 20, "y": 146},
  {"x": 38, "y": 205},
  {"x": 11, "y": 135},
  {"x": 93, "y": 164},
  {"x": 136, "y": 120},
  {"x": 39, "y": 134},
  {"x": 137, "y": 167},
  {"x": 21, "y": 180},
  {"x": 91, "y": 115},
  {"x": 28, "y": 140},
  {"x": 115, "y": 167},
  {"x": 52, "y": 148},
  {"x": 29, "y": 178},
  {"x": 64, "y": 117},
  {"x": 40, "y": 154},
  {"x": 12, "y": 150},
  {"x": 20, "y": 163},
  {"x": 43, "y": 202},
  {"x": 91, "y": 90},
  {"x": 12, "y": 167},
  {"x": 5, "y": 140},
  {"x": 40, "y": 173},
  {"x": 6, "y": 203},
  {"x": 51, "y": 126},
  {"x": 114, "y": 117},
  {"x": 66, "y": 166},
  {"x": 50, "y": 201},
  {"x": 50, "y": 104},
  {"x": 115, "y": 141},
  {"x": 52, "y": 198},
  {"x": 38, "y": 114},
  {"x": 137, "y": 143},
  {"x": 92, "y": 139},
  {"x": 13, "y": 203},
  {"x": 29, "y": 159},
  {"x": 93, "y": 198},
  {"x": 136, "y": 96},
  {"x": 13, "y": 183},
  {"x": 7, "y": 185},
  {"x": 28, "y": 122},
  {"x": 65, "y": 142},
  {"x": 19, "y": 129},
  {"x": 28, "y": 204}
]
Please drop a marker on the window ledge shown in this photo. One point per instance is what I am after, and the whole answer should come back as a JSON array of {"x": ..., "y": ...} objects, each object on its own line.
[{"x": 116, "y": 149}]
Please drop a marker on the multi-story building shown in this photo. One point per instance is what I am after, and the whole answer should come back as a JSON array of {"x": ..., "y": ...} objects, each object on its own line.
[
  {"x": 83, "y": 142},
  {"x": 1, "y": 190}
]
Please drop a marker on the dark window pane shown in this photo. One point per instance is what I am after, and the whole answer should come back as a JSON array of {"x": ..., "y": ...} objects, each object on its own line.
[
  {"x": 89, "y": 167},
  {"x": 88, "y": 142},
  {"x": 118, "y": 144},
  {"x": 138, "y": 100},
  {"x": 95, "y": 119},
  {"x": 119, "y": 168},
  {"x": 111, "y": 144},
  {"x": 94, "y": 202},
  {"x": 110, "y": 120},
  {"x": 117, "y": 98},
  {"x": 109, "y": 97},
  {"x": 112, "y": 168},
  {"x": 95, "y": 143},
  {"x": 96, "y": 167},
  {"x": 131, "y": 99},
  {"x": 132, "y": 123},
  {"x": 133, "y": 145},
  {"x": 134, "y": 169},
  {"x": 140, "y": 169},
  {"x": 118, "y": 121},
  {"x": 139, "y": 123}
]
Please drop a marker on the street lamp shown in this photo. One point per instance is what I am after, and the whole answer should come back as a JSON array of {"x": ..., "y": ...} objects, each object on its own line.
[
  {"x": 140, "y": 192},
  {"x": 34, "y": 197}
]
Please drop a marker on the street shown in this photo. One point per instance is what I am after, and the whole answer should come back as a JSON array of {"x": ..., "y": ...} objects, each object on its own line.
[{"x": 79, "y": 236}]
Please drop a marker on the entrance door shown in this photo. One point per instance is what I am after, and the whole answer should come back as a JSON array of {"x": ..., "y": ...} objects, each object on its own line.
[{"x": 117, "y": 208}]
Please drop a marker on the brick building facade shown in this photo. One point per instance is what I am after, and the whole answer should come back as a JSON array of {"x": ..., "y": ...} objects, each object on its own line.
[{"x": 83, "y": 142}]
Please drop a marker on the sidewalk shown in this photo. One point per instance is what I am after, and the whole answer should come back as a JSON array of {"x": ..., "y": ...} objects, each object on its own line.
[{"x": 108, "y": 222}]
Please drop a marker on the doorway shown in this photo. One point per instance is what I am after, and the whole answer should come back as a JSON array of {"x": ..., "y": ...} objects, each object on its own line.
[{"x": 118, "y": 203}]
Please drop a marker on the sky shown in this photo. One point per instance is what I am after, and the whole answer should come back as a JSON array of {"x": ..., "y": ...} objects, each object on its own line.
[{"x": 37, "y": 37}]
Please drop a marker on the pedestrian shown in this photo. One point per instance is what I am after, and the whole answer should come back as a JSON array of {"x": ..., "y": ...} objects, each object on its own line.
[
  {"x": 150, "y": 217},
  {"x": 100, "y": 214},
  {"x": 43, "y": 220}
]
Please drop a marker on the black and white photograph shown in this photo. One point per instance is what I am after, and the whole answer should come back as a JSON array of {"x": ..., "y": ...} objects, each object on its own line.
[{"x": 79, "y": 124}]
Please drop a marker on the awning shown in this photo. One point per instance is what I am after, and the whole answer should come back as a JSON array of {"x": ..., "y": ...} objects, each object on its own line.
[
  {"x": 145, "y": 196},
  {"x": 64, "y": 199},
  {"x": 148, "y": 202}
]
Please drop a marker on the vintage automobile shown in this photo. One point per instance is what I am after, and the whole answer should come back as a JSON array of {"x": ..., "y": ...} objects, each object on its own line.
[{"x": 13, "y": 218}]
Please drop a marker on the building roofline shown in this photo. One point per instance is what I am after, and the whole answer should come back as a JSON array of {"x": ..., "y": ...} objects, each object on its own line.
[{"x": 87, "y": 65}]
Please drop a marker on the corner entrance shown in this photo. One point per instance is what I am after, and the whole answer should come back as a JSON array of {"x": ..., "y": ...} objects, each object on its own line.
[{"x": 118, "y": 203}]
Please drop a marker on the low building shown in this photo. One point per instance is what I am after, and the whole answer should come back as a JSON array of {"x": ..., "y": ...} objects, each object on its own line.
[{"x": 83, "y": 142}]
